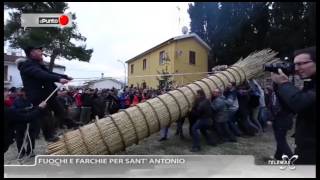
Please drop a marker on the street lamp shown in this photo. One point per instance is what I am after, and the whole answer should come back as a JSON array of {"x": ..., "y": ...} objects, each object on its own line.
[{"x": 125, "y": 72}]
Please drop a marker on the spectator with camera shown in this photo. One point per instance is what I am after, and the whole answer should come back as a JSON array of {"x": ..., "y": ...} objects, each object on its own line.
[{"x": 302, "y": 102}]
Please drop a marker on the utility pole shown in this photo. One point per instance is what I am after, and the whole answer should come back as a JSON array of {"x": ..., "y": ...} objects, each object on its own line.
[
  {"x": 178, "y": 17},
  {"x": 125, "y": 72}
]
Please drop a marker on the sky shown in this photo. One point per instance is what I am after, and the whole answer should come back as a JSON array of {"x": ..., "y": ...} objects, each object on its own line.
[{"x": 118, "y": 31}]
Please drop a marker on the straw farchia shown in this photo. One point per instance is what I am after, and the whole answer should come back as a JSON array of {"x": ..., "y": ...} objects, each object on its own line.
[{"x": 114, "y": 133}]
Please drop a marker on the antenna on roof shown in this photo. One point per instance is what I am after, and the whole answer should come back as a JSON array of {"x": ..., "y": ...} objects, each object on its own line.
[{"x": 185, "y": 30}]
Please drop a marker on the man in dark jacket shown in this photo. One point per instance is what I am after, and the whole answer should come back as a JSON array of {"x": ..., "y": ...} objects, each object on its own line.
[
  {"x": 12, "y": 117},
  {"x": 21, "y": 104},
  {"x": 38, "y": 82},
  {"x": 282, "y": 122},
  {"x": 86, "y": 109},
  {"x": 114, "y": 102},
  {"x": 65, "y": 101},
  {"x": 302, "y": 102},
  {"x": 98, "y": 106},
  {"x": 244, "y": 116},
  {"x": 203, "y": 109}
]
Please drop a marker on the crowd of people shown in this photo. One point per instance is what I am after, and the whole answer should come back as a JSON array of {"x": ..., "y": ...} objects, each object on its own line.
[
  {"x": 233, "y": 112},
  {"x": 80, "y": 106},
  {"x": 72, "y": 108}
]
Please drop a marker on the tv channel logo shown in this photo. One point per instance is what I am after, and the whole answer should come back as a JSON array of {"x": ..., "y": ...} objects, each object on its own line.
[
  {"x": 46, "y": 20},
  {"x": 285, "y": 162}
]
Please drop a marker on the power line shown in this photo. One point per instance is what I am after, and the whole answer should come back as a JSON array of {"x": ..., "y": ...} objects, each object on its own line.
[
  {"x": 171, "y": 74},
  {"x": 75, "y": 69}
]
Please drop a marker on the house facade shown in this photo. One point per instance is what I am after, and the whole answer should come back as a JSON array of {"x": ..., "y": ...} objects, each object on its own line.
[
  {"x": 105, "y": 83},
  {"x": 12, "y": 76},
  {"x": 184, "y": 57}
]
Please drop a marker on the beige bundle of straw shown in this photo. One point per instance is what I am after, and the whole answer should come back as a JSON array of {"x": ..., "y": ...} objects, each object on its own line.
[{"x": 116, "y": 132}]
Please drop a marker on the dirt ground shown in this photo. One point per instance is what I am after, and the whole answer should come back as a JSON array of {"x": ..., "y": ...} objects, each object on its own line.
[{"x": 261, "y": 146}]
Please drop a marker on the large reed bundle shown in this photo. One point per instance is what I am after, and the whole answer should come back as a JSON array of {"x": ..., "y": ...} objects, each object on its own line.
[{"x": 114, "y": 133}]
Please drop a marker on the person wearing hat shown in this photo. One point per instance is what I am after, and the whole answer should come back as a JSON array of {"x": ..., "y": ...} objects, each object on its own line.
[
  {"x": 302, "y": 102},
  {"x": 39, "y": 83}
]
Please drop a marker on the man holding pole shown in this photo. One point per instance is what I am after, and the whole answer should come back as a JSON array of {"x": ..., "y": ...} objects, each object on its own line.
[{"x": 39, "y": 84}]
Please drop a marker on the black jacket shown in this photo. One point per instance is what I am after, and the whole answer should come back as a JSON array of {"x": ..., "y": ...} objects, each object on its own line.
[
  {"x": 12, "y": 117},
  {"x": 38, "y": 81},
  {"x": 193, "y": 115},
  {"x": 243, "y": 100},
  {"x": 98, "y": 107},
  {"x": 282, "y": 115},
  {"x": 201, "y": 109},
  {"x": 21, "y": 103},
  {"x": 87, "y": 99},
  {"x": 302, "y": 102},
  {"x": 65, "y": 101},
  {"x": 114, "y": 104}
]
